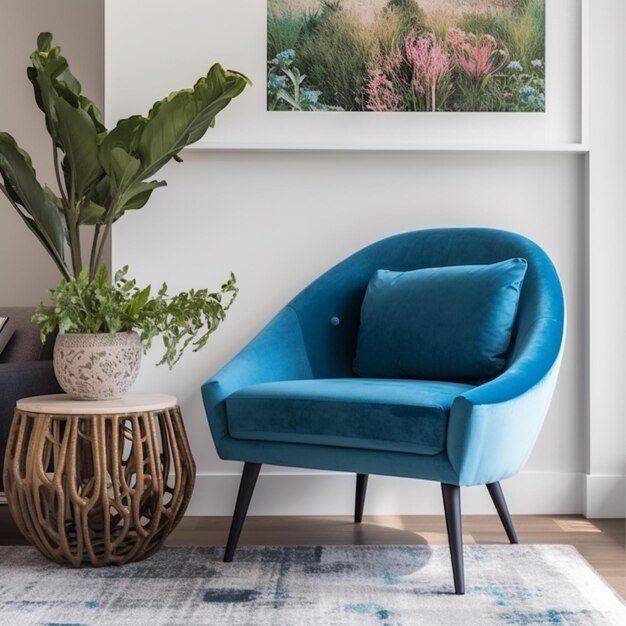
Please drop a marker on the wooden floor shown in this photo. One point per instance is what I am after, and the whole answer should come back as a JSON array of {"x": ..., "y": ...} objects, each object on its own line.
[{"x": 601, "y": 542}]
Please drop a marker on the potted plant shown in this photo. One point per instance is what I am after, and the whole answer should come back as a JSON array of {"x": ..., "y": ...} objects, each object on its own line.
[{"x": 100, "y": 175}]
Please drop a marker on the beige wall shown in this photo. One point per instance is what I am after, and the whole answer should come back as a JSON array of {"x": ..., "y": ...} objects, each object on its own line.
[{"x": 26, "y": 271}]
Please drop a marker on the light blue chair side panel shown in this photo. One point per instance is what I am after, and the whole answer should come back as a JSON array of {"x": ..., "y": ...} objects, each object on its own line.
[
  {"x": 276, "y": 353},
  {"x": 432, "y": 467},
  {"x": 537, "y": 350},
  {"x": 487, "y": 443}
]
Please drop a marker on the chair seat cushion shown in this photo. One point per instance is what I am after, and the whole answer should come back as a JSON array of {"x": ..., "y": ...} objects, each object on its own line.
[{"x": 399, "y": 415}]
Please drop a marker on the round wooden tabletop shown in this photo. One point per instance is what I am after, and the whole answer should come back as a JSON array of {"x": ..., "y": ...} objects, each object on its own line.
[{"x": 62, "y": 404}]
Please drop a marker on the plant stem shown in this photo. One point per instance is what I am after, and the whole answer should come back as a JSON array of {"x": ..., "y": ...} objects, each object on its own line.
[
  {"x": 70, "y": 217},
  {"x": 103, "y": 241},
  {"x": 107, "y": 232},
  {"x": 71, "y": 213},
  {"x": 57, "y": 173},
  {"x": 77, "y": 262},
  {"x": 92, "y": 256}
]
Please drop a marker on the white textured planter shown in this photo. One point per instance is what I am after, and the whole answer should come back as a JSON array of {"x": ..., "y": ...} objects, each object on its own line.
[{"x": 97, "y": 366}]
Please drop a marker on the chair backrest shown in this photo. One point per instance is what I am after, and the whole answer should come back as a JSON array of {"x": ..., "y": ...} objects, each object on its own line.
[{"x": 329, "y": 308}]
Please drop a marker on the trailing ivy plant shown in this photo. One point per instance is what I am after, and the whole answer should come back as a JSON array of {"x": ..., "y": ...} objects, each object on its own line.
[
  {"x": 84, "y": 305},
  {"x": 101, "y": 174}
]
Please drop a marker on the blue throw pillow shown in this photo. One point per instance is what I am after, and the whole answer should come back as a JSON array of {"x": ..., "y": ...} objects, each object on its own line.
[{"x": 442, "y": 323}]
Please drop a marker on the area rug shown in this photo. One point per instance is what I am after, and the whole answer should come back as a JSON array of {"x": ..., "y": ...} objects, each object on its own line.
[{"x": 321, "y": 586}]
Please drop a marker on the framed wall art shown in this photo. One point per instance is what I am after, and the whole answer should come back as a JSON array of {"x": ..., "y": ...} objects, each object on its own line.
[
  {"x": 392, "y": 56},
  {"x": 364, "y": 74}
]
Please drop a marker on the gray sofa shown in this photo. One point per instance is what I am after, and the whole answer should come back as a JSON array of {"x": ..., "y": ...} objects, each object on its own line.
[{"x": 25, "y": 369}]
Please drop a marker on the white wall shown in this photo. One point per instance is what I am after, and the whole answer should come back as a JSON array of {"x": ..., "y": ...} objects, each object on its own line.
[
  {"x": 280, "y": 219},
  {"x": 606, "y": 483},
  {"x": 78, "y": 26}
]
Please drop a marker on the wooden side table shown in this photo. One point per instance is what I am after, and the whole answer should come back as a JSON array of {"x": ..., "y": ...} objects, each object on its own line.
[{"x": 98, "y": 483}]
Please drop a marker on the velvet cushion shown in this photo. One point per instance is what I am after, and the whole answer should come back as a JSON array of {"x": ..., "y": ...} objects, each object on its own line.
[
  {"x": 445, "y": 323},
  {"x": 401, "y": 415}
]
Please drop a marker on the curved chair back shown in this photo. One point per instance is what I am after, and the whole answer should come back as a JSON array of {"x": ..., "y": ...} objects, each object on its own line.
[{"x": 329, "y": 308}]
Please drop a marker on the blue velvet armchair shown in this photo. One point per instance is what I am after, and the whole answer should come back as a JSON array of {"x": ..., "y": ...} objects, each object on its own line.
[{"x": 291, "y": 397}]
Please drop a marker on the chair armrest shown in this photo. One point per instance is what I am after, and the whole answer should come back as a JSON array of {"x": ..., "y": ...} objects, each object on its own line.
[
  {"x": 276, "y": 353},
  {"x": 492, "y": 428}
]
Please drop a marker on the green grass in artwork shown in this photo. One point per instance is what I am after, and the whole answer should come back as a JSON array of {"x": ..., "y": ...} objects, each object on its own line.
[
  {"x": 406, "y": 55},
  {"x": 335, "y": 56},
  {"x": 283, "y": 30}
]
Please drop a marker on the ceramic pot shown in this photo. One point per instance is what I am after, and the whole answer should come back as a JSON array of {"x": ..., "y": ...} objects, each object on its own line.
[{"x": 99, "y": 366}]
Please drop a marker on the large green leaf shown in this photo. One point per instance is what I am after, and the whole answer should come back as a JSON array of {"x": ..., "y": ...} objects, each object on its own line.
[
  {"x": 183, "y": 117},
  {"x": 94, "y": 113},
  {"x": 123, "y": 168},
  {"x": 47, "y": 56},
  {"x": 66, "y": 84},
  {"x": 102, "y": 193},
  {"x": 42, "y": 85},
  {"x": 125, "y": 135},
  {"x": 58, "y": 93},
  {"x": 23, "y": 187},
  {"x": 216, "y": 85},
  {"x": 78, "y": 137}
]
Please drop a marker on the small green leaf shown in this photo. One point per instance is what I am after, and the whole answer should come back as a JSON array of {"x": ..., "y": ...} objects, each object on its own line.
[
  {"x": 91, "y": 213},
  {"x": 125, "y": 135},
  {"x": 281, "y": 94},
  {"x": 44, "y": 41},
  {"x": 123, "y": 168},
  {"x": 139, "y": 193}
]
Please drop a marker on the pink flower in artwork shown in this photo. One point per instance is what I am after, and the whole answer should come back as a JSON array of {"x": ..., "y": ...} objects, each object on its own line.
[
  {"x": 478, "y": 56},
  {"x": 430, "y": 64},
  {"x": 380, "y": 93},
  {"x": 455, "y": 38}
]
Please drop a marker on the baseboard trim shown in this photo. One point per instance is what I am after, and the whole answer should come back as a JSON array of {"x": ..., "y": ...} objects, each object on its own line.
[
  {"x": 333, "y": 494},
  {"x": 605, "y": 496},
  {"x": 530, "y": 493}
]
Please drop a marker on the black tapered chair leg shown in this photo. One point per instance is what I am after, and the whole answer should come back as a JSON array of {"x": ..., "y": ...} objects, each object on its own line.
[
  {"x": 359, "y": 502},
  {"x": 495, "y": 491},
  {"x": 452, "y": 508},
  {"x": 246, "y": 488}
]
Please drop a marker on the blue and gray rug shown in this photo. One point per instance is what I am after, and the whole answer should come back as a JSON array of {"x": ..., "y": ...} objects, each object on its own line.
[{"x": 321, "y": 586}]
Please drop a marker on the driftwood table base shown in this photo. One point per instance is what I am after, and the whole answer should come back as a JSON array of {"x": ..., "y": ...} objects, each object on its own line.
[{"x": 98, "y": 489}]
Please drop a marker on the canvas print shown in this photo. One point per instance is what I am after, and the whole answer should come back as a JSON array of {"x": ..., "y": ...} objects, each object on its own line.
[{"x": 406, "y": 55}]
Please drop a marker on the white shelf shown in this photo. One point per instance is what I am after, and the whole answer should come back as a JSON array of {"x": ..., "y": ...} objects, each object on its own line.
[{"x": 576, "y": 148}]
